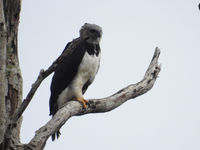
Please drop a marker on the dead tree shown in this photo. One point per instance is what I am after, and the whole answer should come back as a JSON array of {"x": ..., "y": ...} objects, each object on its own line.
[
  {"x": 11, "y": 104},
  {"x": 10, "y": 74}
]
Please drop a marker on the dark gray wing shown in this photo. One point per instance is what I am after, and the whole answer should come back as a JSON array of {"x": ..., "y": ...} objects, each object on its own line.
[{"x": 66, "y": 71}]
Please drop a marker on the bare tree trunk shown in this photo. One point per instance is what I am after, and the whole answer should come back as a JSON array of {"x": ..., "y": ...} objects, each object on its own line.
[
  {"x": 10, "y": 74},
  {"x": 2, "y": 72}
]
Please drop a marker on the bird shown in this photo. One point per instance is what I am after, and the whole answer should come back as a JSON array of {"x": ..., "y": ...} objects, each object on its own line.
[{"x": 77, "y": 70}]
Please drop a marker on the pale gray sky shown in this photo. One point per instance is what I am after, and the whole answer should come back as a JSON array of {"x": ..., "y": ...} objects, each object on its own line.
[{"x": 166, "y": 118}]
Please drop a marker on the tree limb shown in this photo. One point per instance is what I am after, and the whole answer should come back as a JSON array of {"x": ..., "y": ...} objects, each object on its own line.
[
  {"x": 73, "y": 108},
  {"x": 42, "y": 75}
]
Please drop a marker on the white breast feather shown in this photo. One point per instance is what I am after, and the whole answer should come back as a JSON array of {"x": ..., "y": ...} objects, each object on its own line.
[{"x": 86, "y": 71}]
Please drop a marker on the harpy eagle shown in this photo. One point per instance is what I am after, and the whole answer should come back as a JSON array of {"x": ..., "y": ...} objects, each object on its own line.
[{"x": 77, "y": 70}]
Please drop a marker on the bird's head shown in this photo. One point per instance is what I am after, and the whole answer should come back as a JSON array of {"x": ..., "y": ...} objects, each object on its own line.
[{"x": 91, "y": 32}]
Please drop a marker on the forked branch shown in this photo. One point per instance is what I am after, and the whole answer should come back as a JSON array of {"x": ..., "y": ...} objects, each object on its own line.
[{"x": 74, "y": 108}]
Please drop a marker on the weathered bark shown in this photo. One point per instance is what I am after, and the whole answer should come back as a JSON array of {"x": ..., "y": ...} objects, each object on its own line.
[
  {"x": 11, "y": 85},
  {"x": 2, "y": 72}
]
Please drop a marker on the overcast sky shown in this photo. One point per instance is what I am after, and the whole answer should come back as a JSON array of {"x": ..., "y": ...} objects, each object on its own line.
[{"x": 165, "y": 118}]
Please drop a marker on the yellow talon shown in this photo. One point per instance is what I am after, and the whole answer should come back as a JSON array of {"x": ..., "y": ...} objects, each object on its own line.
[{"x": 83, "y": 101}]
